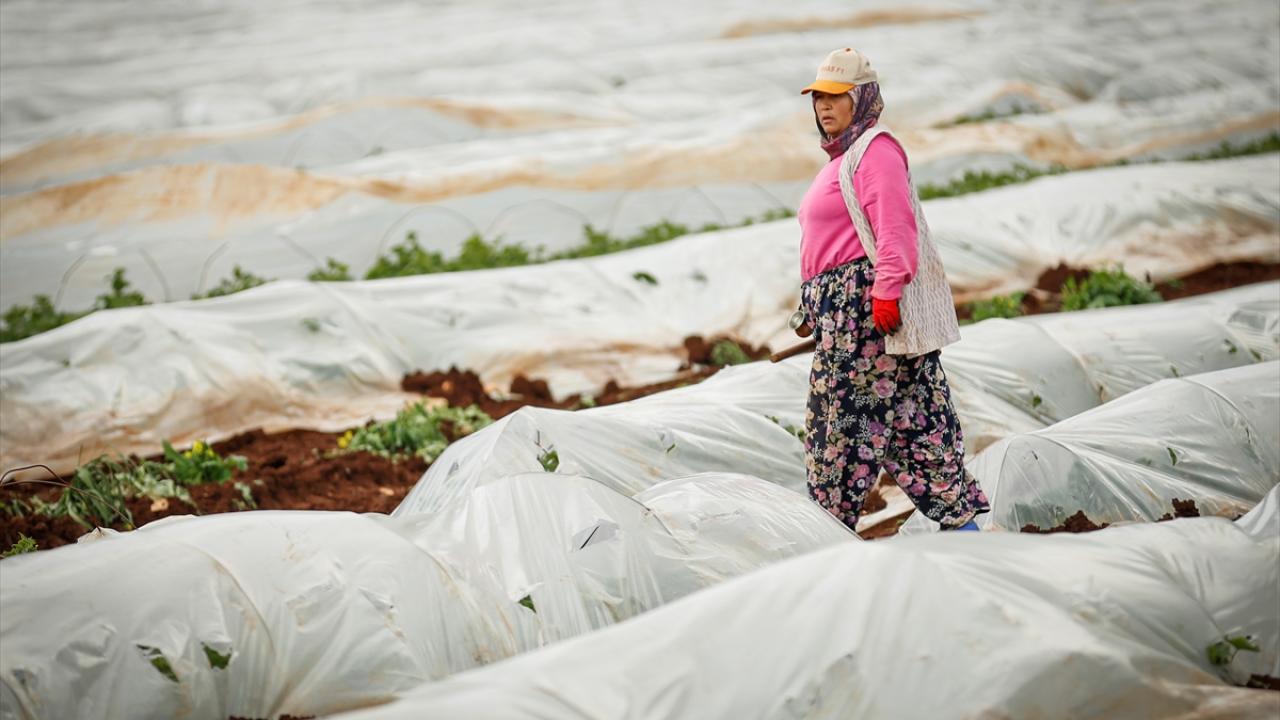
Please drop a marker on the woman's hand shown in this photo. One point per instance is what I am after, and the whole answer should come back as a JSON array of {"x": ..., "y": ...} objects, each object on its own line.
[{"x": 886, "y": 316}]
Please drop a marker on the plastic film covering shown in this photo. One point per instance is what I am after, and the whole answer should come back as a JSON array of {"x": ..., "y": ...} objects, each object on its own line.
[
  {"x": 1263, "y": 521},
  {"x": 248, "y": 614},
  {"x": 1021, "y": 375},
  {"x": 1212, "y": 438},
  {"x": 736, "y": 522},
  {"x": 1006, "y": 376},
  {"x": 267, "y": 613},
  {"x": 1115, "y": 622},
  {"x": 332, "y": 355}
]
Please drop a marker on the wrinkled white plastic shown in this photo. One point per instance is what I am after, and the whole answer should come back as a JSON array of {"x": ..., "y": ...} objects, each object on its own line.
[
  {"x": 1072, "y": 362},
  {"x": 297, "y": 354},
  {"x": 1021, "y": 375},
  {"x": 322, "y": 612},
  {"x": 1263, "y": 521},
  {"x": 1114, "y": 623},
  {"x": 317, "y": 611},
  {"x": 1212, "y": 438}
]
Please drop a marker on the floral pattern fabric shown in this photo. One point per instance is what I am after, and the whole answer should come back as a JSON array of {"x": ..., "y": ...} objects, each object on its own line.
[{"x": 869, "y": 410}]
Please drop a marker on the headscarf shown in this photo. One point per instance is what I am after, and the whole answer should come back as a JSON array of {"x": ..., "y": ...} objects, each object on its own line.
[{"x": 867, "y": 105}]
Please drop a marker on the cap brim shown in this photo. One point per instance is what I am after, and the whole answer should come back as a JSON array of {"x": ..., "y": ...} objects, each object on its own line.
[{"x": 826, "y": 86}]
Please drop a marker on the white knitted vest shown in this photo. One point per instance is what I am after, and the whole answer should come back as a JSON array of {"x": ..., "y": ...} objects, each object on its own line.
[{"x": 928, "y": 313}]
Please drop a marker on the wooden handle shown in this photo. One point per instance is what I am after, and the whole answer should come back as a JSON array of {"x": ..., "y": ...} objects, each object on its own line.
[{"x": 803, "y": 347}]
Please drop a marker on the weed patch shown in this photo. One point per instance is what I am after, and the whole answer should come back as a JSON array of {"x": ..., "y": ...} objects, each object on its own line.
[
  {"x": 333, "y": 271},
  {"x": 1001, "y": 306},
  {"x": 417, "y": 430},
  {"x": 1107, "y": 288},
  {"x": 239, "y": 281},
  {"x": 24, "y": 545}
]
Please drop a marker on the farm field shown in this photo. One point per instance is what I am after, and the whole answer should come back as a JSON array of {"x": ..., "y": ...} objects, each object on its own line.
[{"x": 373, "y": 359}]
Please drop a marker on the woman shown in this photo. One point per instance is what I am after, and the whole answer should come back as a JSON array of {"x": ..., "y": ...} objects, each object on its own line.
[{"x": 880, "y": 308}]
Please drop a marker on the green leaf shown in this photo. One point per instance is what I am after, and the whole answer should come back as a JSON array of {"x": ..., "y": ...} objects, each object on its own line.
[
  {"x": 644, "y": 277},
  {"x": 217, "y": 660},
  {"x": 728, "y": 352},
  {"x": 1243, "y": 642},
  {"x": 527, "y": 601},
  {"x": 1173, "y": 457},
  {"x": 23, "y": 545},
  {"x": 550, "y": 460},
  {"x": 158, "y": 661}
]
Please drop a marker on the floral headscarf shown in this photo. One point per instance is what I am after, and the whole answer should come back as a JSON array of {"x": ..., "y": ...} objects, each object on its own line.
[{"x": 867, "y": 105}]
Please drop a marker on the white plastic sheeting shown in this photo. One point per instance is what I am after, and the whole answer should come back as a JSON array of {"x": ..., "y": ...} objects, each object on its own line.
[
  {"x": 1263, "y": 521},
  {"x": 1020, "y": 375},
  {"x": 1212, "y": 438},
  {"x": 324, "y": 355},
  {"x": 1070, "y": 362},
  {"x": 333, "y": 145},
  {"x": 1114, "y": 623},
  {"x": 319, "y": 612}
]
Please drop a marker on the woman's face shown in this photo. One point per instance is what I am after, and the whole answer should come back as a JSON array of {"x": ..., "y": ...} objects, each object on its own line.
[{"x": 835, "y": 112}]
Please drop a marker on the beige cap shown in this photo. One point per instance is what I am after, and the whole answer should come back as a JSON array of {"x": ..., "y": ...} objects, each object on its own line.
[{"x": 842, "y": 69}]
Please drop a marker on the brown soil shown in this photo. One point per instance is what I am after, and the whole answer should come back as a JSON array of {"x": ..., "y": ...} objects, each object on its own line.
[
  {"x": 293, "y": 470},
  {"x": 1219, "y": 277},
  {"x": 286, "y": 471},
  {"x": 1080, "y": 523},
  {"x": 461, "y": 388},
  {"x": 1264, "y": 682},
  {"x": 1077, "y": 523},
  {"x": 1045, "y": 296},
  {"x": 1182, "y": 509}
]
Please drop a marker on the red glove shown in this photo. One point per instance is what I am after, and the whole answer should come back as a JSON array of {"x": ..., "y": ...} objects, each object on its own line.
[{"x": 885, "y": 313}]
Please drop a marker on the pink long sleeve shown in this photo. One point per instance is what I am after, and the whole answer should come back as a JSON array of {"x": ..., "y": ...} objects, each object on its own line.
[
  {"x": 828, "y": 237},
  {"x": 881, "y": 185}
]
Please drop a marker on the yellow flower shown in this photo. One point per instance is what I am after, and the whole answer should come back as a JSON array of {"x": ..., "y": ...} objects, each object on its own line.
[{"x": 345, "y": 440}]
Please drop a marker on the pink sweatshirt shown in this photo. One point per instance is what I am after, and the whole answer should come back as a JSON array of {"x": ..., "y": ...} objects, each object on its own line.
[{"x": 828, "y": 238}]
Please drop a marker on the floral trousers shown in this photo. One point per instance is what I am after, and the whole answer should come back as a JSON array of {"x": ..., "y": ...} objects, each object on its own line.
[{"x": 869, "y": 410}]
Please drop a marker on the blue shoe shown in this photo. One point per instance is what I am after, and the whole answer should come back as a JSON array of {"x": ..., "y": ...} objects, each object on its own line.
[{"x": 970, "y": 526}]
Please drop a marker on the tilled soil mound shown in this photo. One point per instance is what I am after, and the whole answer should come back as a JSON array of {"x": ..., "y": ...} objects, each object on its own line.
[{"x": 1080, "y": 523}]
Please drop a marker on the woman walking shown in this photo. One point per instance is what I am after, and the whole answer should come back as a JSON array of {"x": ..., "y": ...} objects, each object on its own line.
[{"x": 878, "y": 302}]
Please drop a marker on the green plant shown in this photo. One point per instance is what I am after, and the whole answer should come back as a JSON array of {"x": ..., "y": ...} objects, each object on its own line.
[
  {"x": 158, "y": 661},
  {"x": 99, "y": 490},
  {"x": 549, "y": 459},
  {"x": 23, "y": 545},
  {"x": 201, "y": 464},
  {"x": 1106, "y": 288},
  {"x": 217, "y": 660},
  {"x": 406, "y": 258},
  {"x": 991, "y": 114},
  {"x": 644, "y": 277},
  {"x": 238, "y": 282},
  {"x": 977, "y": 181},
  {"x": 1000, "y": 306},
  {"x": 728, "y": 352},
  {"x": 1268, "y": 144},
  {"x": 527, "y": 601},
  {"x": 333, "y": 271},
  {"x": 15, "y": 507},
  {"x": 1224, "y": 651},
  {"x": 120, "y": 294},
  {"x": 23, "y": 321},
  {"x": 415, "y": 430},
  {"x": 311, "y": 324}
]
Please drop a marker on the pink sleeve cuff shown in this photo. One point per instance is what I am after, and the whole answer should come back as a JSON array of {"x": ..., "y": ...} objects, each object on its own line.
[{"x": 887, "y": 288}]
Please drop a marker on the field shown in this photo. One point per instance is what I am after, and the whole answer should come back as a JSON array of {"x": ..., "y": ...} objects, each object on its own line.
[{"x": 414, "y": 361}]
